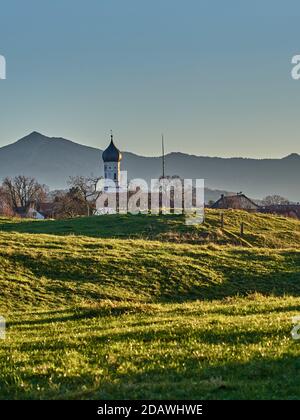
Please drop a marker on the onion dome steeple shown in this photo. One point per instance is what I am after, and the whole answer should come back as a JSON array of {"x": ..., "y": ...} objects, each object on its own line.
[{"x": 112, "y": 153}]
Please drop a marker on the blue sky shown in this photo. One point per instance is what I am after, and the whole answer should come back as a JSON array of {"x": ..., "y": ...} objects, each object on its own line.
[{"x": 214, "y": 76}]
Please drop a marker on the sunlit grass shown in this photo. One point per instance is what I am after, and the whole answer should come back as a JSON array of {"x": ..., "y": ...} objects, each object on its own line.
[
  {"x": 98, "y": 317},
  {"x": 240, "y": 348},
  {"x": 261, "y": 230}
]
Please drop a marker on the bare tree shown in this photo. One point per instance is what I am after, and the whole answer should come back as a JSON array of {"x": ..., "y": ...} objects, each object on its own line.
[
  {"x": 70, "y": 204},
  {"x": 22, "y": 190},
  {"x": 5, "y": 205},
  {"x": 87, "y": 188},
  {"x": 274, "y": 200}
]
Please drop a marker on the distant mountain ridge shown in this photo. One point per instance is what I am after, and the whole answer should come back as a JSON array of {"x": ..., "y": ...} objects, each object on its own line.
[{"x": 52, "y": 160}]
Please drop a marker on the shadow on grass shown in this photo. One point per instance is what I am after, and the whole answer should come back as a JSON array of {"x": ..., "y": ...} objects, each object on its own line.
[
  {"x": 256, "y": 379},
  {"x": 268, "y": 378},
  {"x": 105, "y": 226},
  {"x": 154, "y": 376},
  {"x": 159, "y": 280},
  {"x": 82, "y": 314},
  {"x": 165, "y": 318}
]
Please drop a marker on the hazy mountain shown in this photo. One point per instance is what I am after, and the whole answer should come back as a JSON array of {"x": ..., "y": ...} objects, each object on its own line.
[{"x": 53, "y": 160}]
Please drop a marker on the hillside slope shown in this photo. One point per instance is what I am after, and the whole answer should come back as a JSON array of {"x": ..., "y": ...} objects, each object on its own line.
[
  {"x": 98, "y": 318},
  {"x": 261, "y": 230},
  {"x": 50, "y": 270}
]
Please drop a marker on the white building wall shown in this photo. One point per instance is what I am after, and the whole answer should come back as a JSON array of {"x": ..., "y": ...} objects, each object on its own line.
[{"x": 112, "y": 171}]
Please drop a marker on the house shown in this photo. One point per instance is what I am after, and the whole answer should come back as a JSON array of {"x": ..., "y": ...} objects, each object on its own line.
[
  {"x": 238, "y": 202},
  {"x": 29, "y": 212},
  {"x": 47, "y": 210},
  {"x": 32, "y": 213},
  {"x": 286, "y": 210},
  {"x": 39, "y": 211}
]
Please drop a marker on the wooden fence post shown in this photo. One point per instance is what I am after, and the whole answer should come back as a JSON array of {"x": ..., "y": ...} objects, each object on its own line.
[
  {"x": 242, "y": 229},
  {"x": 222, "y": 220}
]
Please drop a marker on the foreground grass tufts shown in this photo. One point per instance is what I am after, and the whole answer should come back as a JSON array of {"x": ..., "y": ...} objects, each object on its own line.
[{"x": 106, "y": 318}]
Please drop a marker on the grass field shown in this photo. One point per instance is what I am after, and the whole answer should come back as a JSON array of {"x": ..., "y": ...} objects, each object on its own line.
[
  {"x": 260, "y": 229},
  {"x": 147, "y": 307}
]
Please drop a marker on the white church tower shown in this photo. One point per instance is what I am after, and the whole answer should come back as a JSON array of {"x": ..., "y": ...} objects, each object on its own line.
[{"x": 112, "y": 160}]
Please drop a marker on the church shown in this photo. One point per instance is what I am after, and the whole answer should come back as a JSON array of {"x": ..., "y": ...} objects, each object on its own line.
[
  {"x": 112, "y": 166},
  {"x": 114, "y": 183}
]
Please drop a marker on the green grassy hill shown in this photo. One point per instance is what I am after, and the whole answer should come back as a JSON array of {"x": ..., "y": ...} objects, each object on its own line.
[
  {"x": 95, "y": 309},
  {"x": 261, "y": 230}
]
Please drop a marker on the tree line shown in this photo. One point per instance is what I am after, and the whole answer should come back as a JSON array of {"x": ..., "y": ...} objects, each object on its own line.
[{"x": 19, "y": 193}]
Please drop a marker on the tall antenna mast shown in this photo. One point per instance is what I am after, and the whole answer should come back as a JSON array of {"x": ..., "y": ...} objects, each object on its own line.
[{"x": 163, "y": 155}]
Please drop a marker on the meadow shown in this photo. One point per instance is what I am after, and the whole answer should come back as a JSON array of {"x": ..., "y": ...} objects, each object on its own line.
[{"x": 122, "y": 306}]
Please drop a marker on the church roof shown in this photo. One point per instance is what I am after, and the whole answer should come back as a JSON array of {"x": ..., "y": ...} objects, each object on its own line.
[{"x": 112, "y": 153}]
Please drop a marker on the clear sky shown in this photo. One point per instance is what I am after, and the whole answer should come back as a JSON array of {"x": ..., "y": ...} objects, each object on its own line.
[{"x": 213, "y": 75}]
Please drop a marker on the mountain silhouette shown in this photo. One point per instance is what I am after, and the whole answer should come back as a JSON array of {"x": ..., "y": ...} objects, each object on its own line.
[{"x": 52, "y": 160}]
